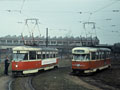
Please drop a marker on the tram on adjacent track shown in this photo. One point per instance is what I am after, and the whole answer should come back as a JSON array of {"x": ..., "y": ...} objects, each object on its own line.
[
  {"x": 89, "y": 59},
  {"x": 29, "y": 59}
]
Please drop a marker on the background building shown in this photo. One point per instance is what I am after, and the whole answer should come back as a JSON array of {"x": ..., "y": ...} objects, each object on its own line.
[{"x": 63, "y": 44}]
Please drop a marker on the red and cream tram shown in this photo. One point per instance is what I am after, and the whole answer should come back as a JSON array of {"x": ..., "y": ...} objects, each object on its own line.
[
  {"x": 88, "y": 59},
  {"x": 28, "y": 59}
]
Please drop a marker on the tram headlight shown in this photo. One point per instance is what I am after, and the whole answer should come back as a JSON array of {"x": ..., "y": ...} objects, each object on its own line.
[{"x": 16, "y": 66}]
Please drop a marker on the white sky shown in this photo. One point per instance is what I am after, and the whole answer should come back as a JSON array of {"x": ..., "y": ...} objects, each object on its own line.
[{"x": 62, "y": 18}]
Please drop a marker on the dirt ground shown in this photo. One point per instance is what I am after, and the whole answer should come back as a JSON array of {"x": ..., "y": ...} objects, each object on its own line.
[
  {"x": 4, "y": 79},
  {"x": 106, "y": 79},
  {"x": 4, "y": 82},
  {"x": 60, "y": 79},
  {"x": 55, "y": 80}
]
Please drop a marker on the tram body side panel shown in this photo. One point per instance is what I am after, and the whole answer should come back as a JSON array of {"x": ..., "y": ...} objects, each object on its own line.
[
  {"x": 25, "y": 65},
  {"x": 108, "y": 61},
  {"x": 49, "y": 63},
  {"x": 80, "y": 65},
  {"x": 96, "y": 64},
  {"x": 89, "y": 65},
  {"x": 34, "y": 66}
]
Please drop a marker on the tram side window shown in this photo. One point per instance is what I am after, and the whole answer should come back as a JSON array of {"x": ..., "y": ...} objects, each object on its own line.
[
  {"x": 54, "y": 55},
  {"x": 51, "y": 55},
  {"x": 97, "y": 55},
  {"x": 32, "y": 55},
  {"x": 57, "y": 55},
  {"x": 104, "y": 55},
  {"x": 108, "y": 55},
  {"x": 93, "y": 55},
  {"x": 100, "y": 53},
  {"x": 26, "y": 56},
  {"x": 39, "y": 56},
  {"x": 43, "y": 56},
  {"x": 88, "y": 57},
  {"x": 47, "y": 55}
]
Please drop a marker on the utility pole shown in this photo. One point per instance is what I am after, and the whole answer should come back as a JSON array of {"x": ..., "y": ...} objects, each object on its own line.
[
  {"x": 46, "y": 37},
  {"x": 23, "y": 38},
  {"x": 81, "y": 40}
]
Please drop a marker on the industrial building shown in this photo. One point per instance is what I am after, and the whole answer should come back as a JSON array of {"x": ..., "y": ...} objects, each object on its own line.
[{"x": 63, "y": 44}]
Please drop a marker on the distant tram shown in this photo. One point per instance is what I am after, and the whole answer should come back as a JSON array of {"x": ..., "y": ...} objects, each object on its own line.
[
  {"x": 29, "y": 59},
  {"x": 88, "y": 60}
]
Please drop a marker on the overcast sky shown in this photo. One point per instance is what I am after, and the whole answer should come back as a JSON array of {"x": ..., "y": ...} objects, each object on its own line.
[{"x": 62, "y": 18}]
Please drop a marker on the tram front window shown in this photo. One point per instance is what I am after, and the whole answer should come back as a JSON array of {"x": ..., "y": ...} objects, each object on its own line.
[
  {"x": 81, "y": 57},
  {"x": 21, "y": 56}
]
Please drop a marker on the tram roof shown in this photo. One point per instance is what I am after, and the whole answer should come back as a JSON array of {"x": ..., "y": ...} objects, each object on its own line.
[
  {"x": 90, "y": 49},
  {"x": 31, "y": 48}
]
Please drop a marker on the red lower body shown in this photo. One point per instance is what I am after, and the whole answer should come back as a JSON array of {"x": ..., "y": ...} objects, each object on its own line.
[
  {"x": 90, "y": 65},
  {"x": 32, "y": 65}
]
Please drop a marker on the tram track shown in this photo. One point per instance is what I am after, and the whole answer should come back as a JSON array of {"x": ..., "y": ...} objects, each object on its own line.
[
  {"x": 25, "y": 82},
  {"x": 10, "y": 84},
  {"x": 21, "y": 83},
  {"x": 61, "y": 79}
]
